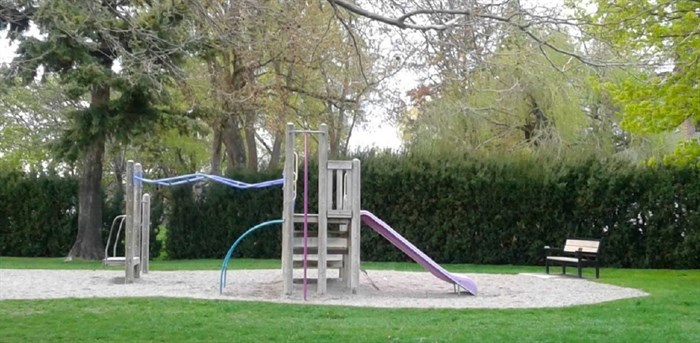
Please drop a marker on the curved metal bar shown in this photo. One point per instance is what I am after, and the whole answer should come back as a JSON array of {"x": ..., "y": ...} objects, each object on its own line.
[{"x": 224, "y": 265}]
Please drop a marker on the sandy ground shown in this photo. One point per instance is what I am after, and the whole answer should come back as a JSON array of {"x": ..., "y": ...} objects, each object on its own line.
[{"x": 377, "y": 288}]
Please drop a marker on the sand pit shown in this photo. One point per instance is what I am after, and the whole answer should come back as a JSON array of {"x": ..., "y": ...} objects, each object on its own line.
[{"x": 378, "y": 288}]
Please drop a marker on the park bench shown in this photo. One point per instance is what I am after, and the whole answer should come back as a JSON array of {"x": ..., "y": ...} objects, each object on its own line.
[{"x": 576, "y": 252}]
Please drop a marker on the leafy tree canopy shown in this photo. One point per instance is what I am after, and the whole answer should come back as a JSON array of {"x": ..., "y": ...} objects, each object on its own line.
[{"x": 663, "y": 37}]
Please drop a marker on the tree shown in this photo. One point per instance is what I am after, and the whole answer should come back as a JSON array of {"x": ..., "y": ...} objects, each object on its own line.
[
  {"x": 31, "y": 118},
  {"x": 661, "y": 39},
  {"x": 268, "y": 67},
  {"x": 519, "y": 96},
  {"x": 79, "y": 44}
]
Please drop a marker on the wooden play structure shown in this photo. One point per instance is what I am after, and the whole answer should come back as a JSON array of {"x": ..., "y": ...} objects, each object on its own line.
[
  {"x": 136, "y": 224},
  {"x": 334, "y": 240},
  {"x": 319, "y": 244}
]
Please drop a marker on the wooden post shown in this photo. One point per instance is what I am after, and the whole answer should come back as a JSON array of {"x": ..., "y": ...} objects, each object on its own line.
[
  {"x": 136, "y": 226},
  {"x": 322, "y": 209},
  {"x": 355, "y": 228},
  {"x": 145, "y": 232},
  {"x": 129, "y": 233},
  {"x": 288, "y": 212}
]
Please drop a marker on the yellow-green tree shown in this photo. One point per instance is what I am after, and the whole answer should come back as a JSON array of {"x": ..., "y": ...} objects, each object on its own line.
[{"x": 662, "y": 38}]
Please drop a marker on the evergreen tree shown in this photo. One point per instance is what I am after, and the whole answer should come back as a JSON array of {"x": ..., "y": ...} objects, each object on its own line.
[{"x": 82, "y": 44}]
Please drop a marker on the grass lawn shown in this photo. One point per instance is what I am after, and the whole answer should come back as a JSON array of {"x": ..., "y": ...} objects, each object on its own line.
[{"x": 670, "y": 314}]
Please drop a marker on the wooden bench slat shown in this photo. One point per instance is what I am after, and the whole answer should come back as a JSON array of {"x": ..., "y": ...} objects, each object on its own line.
[
  {"x": 582, "y": 243},
  {"x": 573, "y": 245},
  {"x": 569, "y": 248}
]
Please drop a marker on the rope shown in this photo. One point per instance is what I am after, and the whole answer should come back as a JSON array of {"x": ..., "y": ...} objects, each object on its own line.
[{"x": 196, "y": 177}]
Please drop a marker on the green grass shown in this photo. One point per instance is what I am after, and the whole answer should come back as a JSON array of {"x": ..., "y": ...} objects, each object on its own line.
[{"x": 670, "y": 314}]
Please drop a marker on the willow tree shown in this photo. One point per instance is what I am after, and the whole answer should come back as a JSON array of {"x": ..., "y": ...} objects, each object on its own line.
[
  {"x": 80, "y": 44},
  {"x": 518, "y": 95}
]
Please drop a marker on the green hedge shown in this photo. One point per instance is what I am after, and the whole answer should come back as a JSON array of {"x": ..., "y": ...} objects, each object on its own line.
[
  {"x": 206, "y": 218},
  {"x": 488, "y": 211},
  {"x": 457, "y": 210},
  {"x": 474, "y": 210},
  {"x": 39, "y": 215}
]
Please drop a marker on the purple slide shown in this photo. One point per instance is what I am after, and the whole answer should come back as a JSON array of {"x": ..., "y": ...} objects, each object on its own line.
[{"x": 409, "y": 249}]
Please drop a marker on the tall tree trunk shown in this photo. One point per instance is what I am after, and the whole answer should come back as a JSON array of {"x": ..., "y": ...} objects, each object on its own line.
[
  {"x": 88, "y": 243},
  {"x": 276, "y": 153},
  {"x": 216, "y": 151},
  {"x": 251, "y": 144},
  {"x": 233, "y": 141}
]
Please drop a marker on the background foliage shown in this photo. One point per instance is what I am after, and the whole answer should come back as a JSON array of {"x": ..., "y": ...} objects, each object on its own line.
[
  {"x": 471, "y": 209},
  {"x": 474, "y": 210},
  {"x": 39, "y": 215}
]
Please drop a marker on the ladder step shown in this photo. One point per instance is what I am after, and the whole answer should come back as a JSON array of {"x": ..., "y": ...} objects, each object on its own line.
[
  {"x": 314, "y": 250},
  {"x": 314, "y": 264},
  {"x": 313, "y": 242},
  {"x": 314, "y": 234},
  {"x": 311, "y": 281},
  {"x": 313, "y": 218}
]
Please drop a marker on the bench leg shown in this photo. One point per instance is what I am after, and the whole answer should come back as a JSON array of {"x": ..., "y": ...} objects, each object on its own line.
[
  {"x": 597, "y": 272},
  {"x": 579, "y": 271},
  {"x": 563, "y": 269},
  {"x": 546, "y": 266}
]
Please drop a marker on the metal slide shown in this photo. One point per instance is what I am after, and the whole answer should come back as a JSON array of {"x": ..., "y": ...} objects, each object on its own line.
[{"x": 409, "y": 249}]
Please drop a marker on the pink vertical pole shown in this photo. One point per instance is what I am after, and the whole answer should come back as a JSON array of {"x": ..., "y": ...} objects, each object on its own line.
[{"x": 306, "y": 207}]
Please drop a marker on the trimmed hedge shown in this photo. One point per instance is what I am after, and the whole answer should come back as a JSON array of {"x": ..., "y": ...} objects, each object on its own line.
[
  {"x": 39, "y": 215},
  {"x": 457, "y": 210},
  {"x": 492, "y": 212},
  {"x": 462, "y": 210},
  {"x": 206, "y": 218}
]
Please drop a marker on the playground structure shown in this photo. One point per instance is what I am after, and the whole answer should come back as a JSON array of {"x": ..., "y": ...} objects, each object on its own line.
[
  {"x": 334, "y": 242},
  {"x": 137, "y": 226}
]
